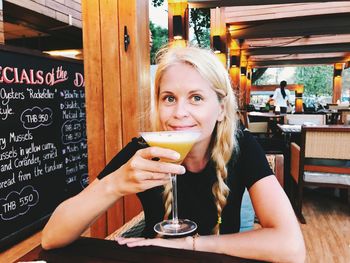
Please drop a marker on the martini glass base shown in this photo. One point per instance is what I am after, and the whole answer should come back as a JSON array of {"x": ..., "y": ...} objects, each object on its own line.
[{"x": 171, "y": 228}]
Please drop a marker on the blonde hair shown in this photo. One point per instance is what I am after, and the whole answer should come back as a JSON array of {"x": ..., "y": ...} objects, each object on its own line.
[{"x": 223, "y": 140}]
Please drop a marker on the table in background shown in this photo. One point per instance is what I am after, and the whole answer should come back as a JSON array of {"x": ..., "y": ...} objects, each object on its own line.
[{"x": 89, "y": 250}]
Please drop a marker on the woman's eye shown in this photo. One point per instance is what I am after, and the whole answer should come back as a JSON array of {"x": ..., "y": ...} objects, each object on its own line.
[
  {"x": 197, "y": 98},
  {"x": 169, "y": 99}
]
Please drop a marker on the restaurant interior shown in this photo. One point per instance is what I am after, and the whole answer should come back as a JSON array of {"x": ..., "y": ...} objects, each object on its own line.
[{"x": 308, "y": 148}]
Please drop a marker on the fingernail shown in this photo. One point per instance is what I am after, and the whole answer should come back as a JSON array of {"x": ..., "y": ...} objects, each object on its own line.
[
  {"x": 176, "y": 156},
  {"x": 183, "y": 170}
]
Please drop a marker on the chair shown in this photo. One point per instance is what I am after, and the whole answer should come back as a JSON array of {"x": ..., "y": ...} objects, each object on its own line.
[
  {"x": 300, "y": 119},
  {"x": 276, "y": 162},
  {"x": 132, "y": 228},
  {"x": 258, "y": 127},
  {"x": 345, "y": 116},
  {"x": 253, "y": 127},
  {"x": 347, "y": 119},
  {"x": 321, "y": 160}
]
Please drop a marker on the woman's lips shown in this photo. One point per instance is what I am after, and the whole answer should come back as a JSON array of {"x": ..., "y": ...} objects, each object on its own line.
[{"x": 177, "y": 128}]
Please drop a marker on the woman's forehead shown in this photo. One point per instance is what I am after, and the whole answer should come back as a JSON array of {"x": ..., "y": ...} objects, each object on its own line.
[{"x": 183, "y": 78}]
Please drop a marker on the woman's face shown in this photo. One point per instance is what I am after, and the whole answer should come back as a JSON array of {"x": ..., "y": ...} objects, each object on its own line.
[{"x": 187, "y": 102}]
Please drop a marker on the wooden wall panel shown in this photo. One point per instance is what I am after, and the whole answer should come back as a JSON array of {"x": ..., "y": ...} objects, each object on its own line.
[
  {"x": 118, "y": 87},
  {"x": 94, "y": 98},
  {"x": 112, "y": 96},
  {"x": 134, "y": 67}
]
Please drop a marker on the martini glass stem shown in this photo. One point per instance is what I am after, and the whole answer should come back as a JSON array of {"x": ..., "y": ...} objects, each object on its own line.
[{"x": 174, "y": 201}]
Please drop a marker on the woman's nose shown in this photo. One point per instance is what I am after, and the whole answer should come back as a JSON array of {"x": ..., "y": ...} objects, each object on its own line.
[{"x": 181, "y": 109}]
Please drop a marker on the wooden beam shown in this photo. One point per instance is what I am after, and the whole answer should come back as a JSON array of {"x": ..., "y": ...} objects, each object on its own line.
[
  {"x": 272, "y": 88},
  {"x": 295, "y": 62},
  {"x": 222, "y": 3},
  {"x": 296, "y": 41},
  {"x": 326, "y": 48},
  {"x": 239, "y": 14},
  {"x": 306, "y": 26},
  {"x": 298, "y": 56}
]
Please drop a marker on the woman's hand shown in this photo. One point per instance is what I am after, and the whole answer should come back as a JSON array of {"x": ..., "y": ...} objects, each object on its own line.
[
  {"x": 181, "y": 243},
  {"x": 141, "y": 172}
]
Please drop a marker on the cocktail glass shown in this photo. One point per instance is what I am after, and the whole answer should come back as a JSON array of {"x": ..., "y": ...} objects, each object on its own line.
[{"x": 181, "y": 142}]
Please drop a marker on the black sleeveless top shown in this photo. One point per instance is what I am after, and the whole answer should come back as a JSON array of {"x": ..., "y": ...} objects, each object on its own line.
[{"x": 195, "y": 198}]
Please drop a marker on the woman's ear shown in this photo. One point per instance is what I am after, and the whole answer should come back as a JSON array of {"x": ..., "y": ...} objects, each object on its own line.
[{"x": 222, "y": 112}]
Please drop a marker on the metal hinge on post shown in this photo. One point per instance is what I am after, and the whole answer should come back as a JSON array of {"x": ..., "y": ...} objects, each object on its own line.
[{"x": 126, "y": 39}]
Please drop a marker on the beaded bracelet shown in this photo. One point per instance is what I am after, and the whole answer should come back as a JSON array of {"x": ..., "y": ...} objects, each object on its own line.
[{"x": 194, "y": 241}]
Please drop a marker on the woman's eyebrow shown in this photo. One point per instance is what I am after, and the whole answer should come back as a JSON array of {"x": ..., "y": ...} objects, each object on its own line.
[{"x": 166, "y": 91}]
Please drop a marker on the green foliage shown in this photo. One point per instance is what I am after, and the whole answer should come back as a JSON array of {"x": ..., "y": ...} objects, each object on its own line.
[
  {"x": 317, "y": 80},
  {"x": 159, "y": 37},
  {"x": 157, "y": 3},
  {"x": 200, "y": 22},
  {"x": 261, "y": 78}
]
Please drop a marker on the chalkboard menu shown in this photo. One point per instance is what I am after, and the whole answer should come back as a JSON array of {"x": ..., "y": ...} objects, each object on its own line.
[{"x": 43, "y": 148}]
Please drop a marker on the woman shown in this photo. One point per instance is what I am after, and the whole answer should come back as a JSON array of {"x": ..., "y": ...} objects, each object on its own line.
[
  {"x": 281, "y": 97},
  {"x": 192, "y": 91}
]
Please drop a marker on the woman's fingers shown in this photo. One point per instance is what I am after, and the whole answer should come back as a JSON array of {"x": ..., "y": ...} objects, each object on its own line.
[
  {"x": 135, "y": 241},
  {"x": 157, "y": 166},
  {"x": 143, "y": 161},
  {"x": 158, "y": 152},
  {"x": 123, "y": 240},
  {"x": 154, "y": 183},
  {"x": 153, "y": 176}
]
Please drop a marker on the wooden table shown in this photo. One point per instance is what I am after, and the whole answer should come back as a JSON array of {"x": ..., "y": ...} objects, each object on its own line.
[
  {"x": 266, "y": 114},
  {"x": 288, "y": 129},
  {"x": 90, "y": 250}
]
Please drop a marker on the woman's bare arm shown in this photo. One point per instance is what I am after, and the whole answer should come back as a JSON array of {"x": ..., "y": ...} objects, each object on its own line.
[{"x": 75, "y": 215}]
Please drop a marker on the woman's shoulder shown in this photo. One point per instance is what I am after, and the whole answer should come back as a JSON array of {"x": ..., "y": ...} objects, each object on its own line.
[{"x": 246, "y": 144}]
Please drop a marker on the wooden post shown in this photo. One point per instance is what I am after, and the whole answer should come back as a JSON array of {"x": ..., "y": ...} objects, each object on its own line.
[
  {"x": 242, "y": 91},
  {"x": 115, "y": 79},
  {"x": 337, "y": 81},
  {"x": 218, "y": 28},
  {"x": 299, "y": 90},
  {"x": 178, "y": 8},
  {"x": 248, "y": 85},
  {"x": 233, "y": 70},
  {"x": 2, "y": 37},
  {"x": 135, "y": 79}
]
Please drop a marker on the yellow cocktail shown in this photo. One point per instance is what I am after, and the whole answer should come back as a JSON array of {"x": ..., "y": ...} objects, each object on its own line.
[
  {"x": 182, "y": 147},
  {"x": 181, "y": 142}
]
